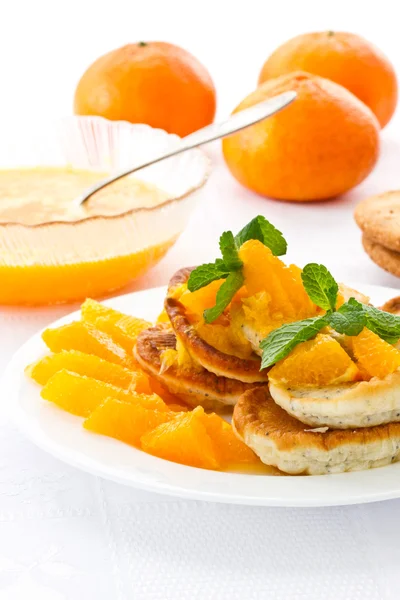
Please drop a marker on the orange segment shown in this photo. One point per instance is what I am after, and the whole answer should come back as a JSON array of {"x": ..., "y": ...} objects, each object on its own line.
[
  {"x": 90, "y": 365},
  {"x": 80, "y": 395},
  {"x": 230, "y": 451},
  {"x": 125, "y": 421},
  {"x": 197, "y": 302},
  {"x": 264, "y": 272},
  {"x": 374, "y": 355},
  {"x": 86, "y": 338},
  {"x": 123, "y": 329},
  {"x": 227, "y": 339},
  {"x": 321, "y": 361},
  {"x": 183, "y": 440},
  {"x": 92, "y": 310}
]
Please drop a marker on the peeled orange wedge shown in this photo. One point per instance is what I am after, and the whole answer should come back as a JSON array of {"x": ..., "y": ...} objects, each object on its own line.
[
  {"x": 125, "y": 421},
  {"x": 374, "y": 355},
  {"x": 230, "y": 451},
  {"x": 184, "y": 439},
  {"x": 90, "y": 365},
  {"x": 86, "y": 338},
  {"x": 321, "y": 361},
  {"x": 80, "y": 395}
]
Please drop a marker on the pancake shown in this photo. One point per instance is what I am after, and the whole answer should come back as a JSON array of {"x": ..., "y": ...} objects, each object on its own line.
[
  {"x": 195, "y": 387},
  {"x": 209, "y": 357},
  {"x": 344, "y": 406},
  {"x": 283, "y": 442},
  {"x": 255, "y": 335}
]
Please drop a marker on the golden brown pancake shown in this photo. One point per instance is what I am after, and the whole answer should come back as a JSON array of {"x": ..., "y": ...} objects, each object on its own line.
[
  {"x": 282, "y": 441},
  {"x": 195, "y": 387},
  {"x": 220, "y": 363}
]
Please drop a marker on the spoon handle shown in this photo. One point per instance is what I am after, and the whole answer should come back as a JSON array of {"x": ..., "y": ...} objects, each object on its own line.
[{"x": 234, "y": 123}]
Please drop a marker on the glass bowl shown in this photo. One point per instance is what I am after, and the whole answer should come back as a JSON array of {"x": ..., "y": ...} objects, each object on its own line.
[{"x": 69, "y": 261}]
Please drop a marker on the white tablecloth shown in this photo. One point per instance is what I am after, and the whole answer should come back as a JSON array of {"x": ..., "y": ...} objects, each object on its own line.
[{"x": 67, "y": 535}]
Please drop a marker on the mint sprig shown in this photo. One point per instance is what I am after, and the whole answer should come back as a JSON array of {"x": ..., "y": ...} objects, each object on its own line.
[
  {"x": 228, "y": 289},
  {"x": 229, "y": 251},
  {"x": 350, "y": 319},
  {"x": 262, "y": 230},
  {"x": 229, "y": 267},
  {"x": 206, "y": 274},
  {"x": 384, "y": 324},
  {"x": 280, "y": 342},
  {"x": 320, "y": 286}
]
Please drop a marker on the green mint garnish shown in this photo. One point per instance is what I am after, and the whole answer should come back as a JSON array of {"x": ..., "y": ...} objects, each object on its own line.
[
  {"x": 229, "y": 267},
  {"x": 280, "y": 342},
  {"x": 228, "y": 289},
  {"x": 384, "y": 324},
  {"x": 229, "y": 251},
  {"x": 320, "y": 286},
  {"x": 349, "y": 319},
  {"x": 205, "y": 274},
  {"x": 262, "y": 230}
]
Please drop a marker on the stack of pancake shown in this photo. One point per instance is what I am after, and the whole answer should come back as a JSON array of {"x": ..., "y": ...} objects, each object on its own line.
[{"x": 346, "y": 427}]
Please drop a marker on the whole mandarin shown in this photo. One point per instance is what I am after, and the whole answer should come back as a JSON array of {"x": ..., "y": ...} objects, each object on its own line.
[
  {"x": 323, "y": 144},
  {"x": 149, "y": 82},
  {"x": 347, "y": 59}
]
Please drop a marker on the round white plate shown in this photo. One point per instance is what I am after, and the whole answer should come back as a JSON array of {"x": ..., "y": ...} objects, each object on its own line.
[{"x": 63, "y": 436}]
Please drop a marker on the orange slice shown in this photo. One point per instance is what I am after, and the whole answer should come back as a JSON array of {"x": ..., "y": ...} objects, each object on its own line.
[
  {"x": 264, "y": 272},
  {"x": 125, "y": 421},
  {"x": 80, "y": 395},
  {"x": 230, "y": 451},
  {"x": 86, "y": 338},
  {"x": 321, "y": 361},
  {"x": 197, "y": 302},
  {"x": 90, "y": 365},
  {"x": 373, "y": 354},
  {"x": 123, "y": 329},
  {"x": 183, "y": 440}
]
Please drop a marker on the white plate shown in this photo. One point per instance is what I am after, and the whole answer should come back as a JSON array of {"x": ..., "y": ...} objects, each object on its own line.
[{"x": 63, "y": 436}]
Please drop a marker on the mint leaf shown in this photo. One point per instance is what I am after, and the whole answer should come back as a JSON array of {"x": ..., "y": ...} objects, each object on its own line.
[
  {"x": 320, "y": 286},
  {"x": 229, "y": 251},
  {"x": 280, "y": 342},
  {"x": 349, "y": 319},
  {"x": 261, "y": 229},
  {"x": 205, "y": 274},
  {"x": 384, "y": 324},
  {"x": 225, "y": 294}
]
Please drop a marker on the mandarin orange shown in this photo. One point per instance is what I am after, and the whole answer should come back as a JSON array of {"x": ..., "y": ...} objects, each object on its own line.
[
  {"x": 323, "y": 144},
  {"x": 347, "y": 59},
  {"x": 86, "y": 338},
  {"x": 184, "y": 440},
  {"x": 85, "y": 364},
  {"x": 125, "y": 421},
  {"x": 373, "y": 354},
  {"x": 321, "y": 361},
  {"x": 149, "y": 82},
  {"x": 229, "y": 449},
  {"x": 80, "y": 395}
]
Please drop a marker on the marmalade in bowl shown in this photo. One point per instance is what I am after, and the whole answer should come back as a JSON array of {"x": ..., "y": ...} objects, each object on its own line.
[
  {"x": 32, "y": 196},
  {"x": 53, "y": 251}
]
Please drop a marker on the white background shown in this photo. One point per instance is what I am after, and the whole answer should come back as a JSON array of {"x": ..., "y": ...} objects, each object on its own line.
[{"x": 66, "y": 535}]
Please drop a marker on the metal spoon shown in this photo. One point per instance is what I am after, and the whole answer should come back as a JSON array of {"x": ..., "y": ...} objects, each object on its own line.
[{"x": 236, "y": 122}]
